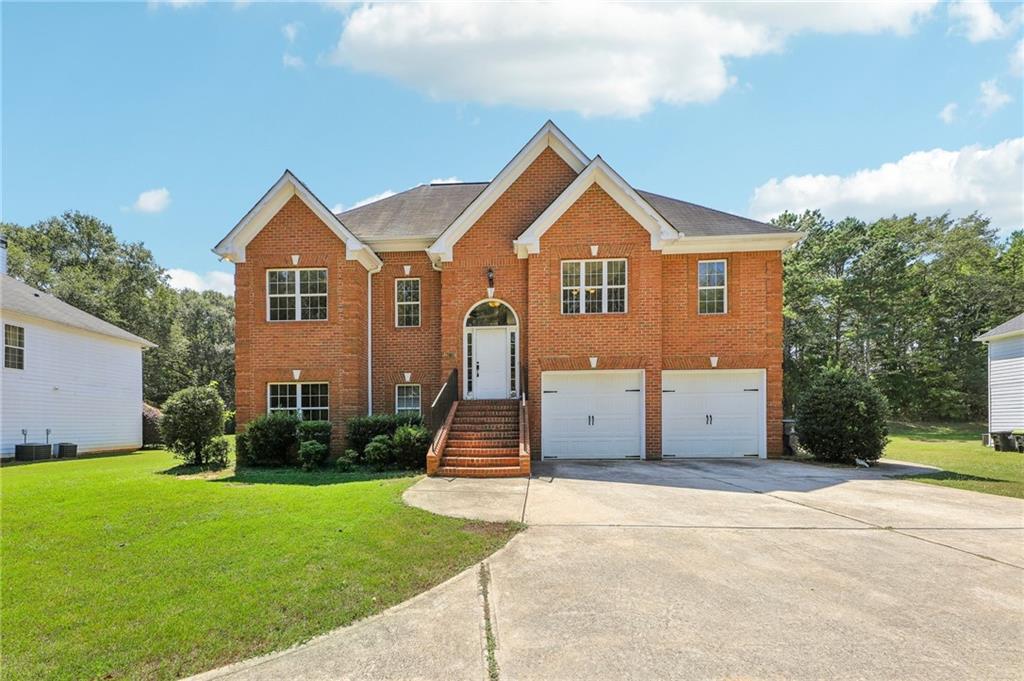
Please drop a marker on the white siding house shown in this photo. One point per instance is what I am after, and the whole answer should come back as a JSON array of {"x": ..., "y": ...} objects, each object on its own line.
[
  {"x": 1005, "y": 375},
  {"x": 66, "y": 371}
]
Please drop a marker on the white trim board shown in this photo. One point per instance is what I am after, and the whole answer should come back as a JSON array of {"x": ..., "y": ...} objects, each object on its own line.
[
  {"x": 232, "y": 246},
  {"x": 548, "y": 136},
  {"x": 601, "y": 174}
]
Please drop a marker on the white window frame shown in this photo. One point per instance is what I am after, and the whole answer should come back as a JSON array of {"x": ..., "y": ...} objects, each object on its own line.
[
  {"x": 418, "y": 303},
  {"x": 562, "y": 288},
  {"x": 724, "y": 287},
  {"x": 419, "y": 398},
  {"x": 298, "y": 398},
  {"x": 298, "y": 295},
  {"x": 21, "y": 347}
]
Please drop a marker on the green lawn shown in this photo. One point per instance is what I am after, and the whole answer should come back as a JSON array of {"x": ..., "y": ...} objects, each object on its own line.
[
  {"x": 114, "y": 567},
  {"x": 956, "y": 448}
]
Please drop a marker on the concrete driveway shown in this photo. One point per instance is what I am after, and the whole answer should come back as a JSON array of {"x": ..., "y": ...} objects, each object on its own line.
[{"x": 705, "y": 569}]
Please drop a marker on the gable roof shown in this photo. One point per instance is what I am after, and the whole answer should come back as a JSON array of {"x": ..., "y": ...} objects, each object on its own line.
[
  {"x": 232, "y": 246},
  {"x": 423, "y": 212},
  {"x": 19, "y": 297},
  {"x": 1012, "y": 327},
  {"x": 548, "y": 136},
  {"x": 600, "y": 173},
  {"x": 694, "y": 220}
]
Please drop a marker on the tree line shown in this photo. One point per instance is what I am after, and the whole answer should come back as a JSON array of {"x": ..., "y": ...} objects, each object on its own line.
[
  {"x": 900, "y": 300},
  {"x": 77, "y": 258}
]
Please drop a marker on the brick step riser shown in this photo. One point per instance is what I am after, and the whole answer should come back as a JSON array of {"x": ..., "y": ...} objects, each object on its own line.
[
  {"x": 486, "y": 429},
  {"x": 478, "y": 462},
  {"x": 465, "y": 472},
  {"x": 487, "y": 415},
  {"x": 483, "y": 420},
  {"x": 478, "y": 452},
  {"x": 467, "y": 440}
]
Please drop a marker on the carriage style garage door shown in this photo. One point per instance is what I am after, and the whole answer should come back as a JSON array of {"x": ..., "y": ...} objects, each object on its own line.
[
  {"x": 713, "y": 413},
  {"x": 592, "y": 414}
]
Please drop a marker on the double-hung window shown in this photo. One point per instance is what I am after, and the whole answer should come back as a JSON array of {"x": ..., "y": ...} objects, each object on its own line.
[
  {"x": 712, "y": 294},
  {"x": 308, "y": 401},
  {"x": 298, "y": 294},
  {"x": 407, "y": 399},
  {"x": 407, "y": 302},
  {"x": 593, "y": 286},
  {"x": 14, "y": 347}
]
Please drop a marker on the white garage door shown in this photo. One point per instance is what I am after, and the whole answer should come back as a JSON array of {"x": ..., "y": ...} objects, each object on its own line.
[
  {"x": 591, "y": 414},
  {"x": 712, "y": 413}
]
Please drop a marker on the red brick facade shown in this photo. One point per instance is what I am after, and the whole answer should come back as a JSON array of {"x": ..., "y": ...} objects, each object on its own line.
[{"x": 660, "y": 330}]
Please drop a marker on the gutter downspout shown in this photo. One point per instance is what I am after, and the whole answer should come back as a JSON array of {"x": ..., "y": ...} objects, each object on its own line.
[{"x": 369, "y": 342}]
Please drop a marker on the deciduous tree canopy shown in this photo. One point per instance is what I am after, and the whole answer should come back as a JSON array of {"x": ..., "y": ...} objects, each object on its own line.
[{"x": 900, "y": 300}]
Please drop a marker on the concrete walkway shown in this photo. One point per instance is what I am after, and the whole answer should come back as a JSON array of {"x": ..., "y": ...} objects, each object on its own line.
[{"x": 705, "y": 569}]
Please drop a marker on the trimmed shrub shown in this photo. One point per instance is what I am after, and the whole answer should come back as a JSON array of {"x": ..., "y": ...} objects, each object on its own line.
[
  {"x": 347, "y": 461},
  {"x": 215, "y": 453},
  {"x": 411, "y": 443},
  {"x": 318, "y": 431},
  {"x": 229, "y": 422},
  {"x": 362, "y": 429},
  {"x": 380, "y": 452},
  {"x": 312, "y": 454},
  {"x": 151, "y": 417},
  {"x": 192, "y": 418},
  {"x": 242, "y": 449},
  {"x": 270, "y": 440},
  {"x": 841, "y": 417}
]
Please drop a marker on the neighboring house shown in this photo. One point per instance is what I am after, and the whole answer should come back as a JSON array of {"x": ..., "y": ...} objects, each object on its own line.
[
  {"x": 69, "y": 372},
  {"x": 637, "y": 325},
  {"x": 1005, "y": 376}
]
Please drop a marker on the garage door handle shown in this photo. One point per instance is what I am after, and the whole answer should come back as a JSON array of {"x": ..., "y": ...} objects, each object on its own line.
[
  {"x": 668, "y": 391},
  {"x": 711, "y": 419},
  {"x": 751, "y": 390},
  {"x": 549, "y": 391},
  {"x": 632, "y": 390}
]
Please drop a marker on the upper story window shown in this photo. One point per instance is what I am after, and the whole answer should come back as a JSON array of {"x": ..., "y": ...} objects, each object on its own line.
[
  {"x": 593, "y": 286},
  {"x": 297, "y": 294},
  {"x": 712, "y": 295},
  {"x": 407, "y": 399},
  {"x": 407, "y": 302},
  {"x": 14, "y": 347},
  {"x": 309, "y": 401}
]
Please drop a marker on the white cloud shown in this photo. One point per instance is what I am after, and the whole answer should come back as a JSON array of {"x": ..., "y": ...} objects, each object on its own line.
[
  {"x": 1017, "y": 59},
  {"x": 445, "y": 180},
  {"x": 977, "y": 20},
  {"x": 292, "y": 61},
  {"x": 176, "y": 4},
  {"x": 992, "y": 99},
  {"x": 948, "y": 113},
  {"x": 973, "y": 178},
  {"x": 339, "y": 208},
  {"x": 224, "y": 282},
  {"x": 291, "y": 30},
  {"x": 621, "y": 60},
  {"x": 153, "y": 201}
]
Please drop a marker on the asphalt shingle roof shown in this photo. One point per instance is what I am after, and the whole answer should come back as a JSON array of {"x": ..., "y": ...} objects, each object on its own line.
[
  {"x": 20, "y": 297},
  {"x": 424, "y": 212},
  {"x": 1015, "y": 324}
]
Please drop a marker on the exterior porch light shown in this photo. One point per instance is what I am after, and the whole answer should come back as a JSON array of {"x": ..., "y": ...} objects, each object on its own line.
[{"x": 490, "y": 287}]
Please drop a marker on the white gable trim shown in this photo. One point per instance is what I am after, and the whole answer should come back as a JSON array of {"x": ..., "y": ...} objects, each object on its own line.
[
  {"x": 232, "y": 247},
  {"x": 734, "y": 243},
  {"x": 601, "y": 174},
  {"x": 548, "y": 136}
]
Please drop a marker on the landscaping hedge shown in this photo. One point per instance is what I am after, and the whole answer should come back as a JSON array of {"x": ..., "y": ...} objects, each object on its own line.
[
  {"x": 362, "y": 429},
  {"x": 841, "y": 417}
]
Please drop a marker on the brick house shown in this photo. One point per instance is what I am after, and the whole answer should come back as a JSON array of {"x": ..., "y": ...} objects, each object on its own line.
[{"x": 554, "y": 312}]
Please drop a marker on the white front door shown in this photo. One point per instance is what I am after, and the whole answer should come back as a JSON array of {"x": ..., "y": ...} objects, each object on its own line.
[
  {"x": 490, "y": 363},
  {"x": 591, "y": 414},
  {"x": 712, "y": 413}
]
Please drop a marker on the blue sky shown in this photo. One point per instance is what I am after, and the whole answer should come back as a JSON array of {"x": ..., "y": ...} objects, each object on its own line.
[{"x": 169, "y": 120}]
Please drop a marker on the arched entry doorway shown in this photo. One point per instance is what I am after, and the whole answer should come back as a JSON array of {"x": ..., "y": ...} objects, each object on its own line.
[{"x": 491, "y": 349}]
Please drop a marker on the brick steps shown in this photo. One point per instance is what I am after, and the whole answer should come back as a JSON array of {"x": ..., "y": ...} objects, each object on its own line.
[
  {"x": 488, "y": 472},
  {"x": 483, "y": 441}
]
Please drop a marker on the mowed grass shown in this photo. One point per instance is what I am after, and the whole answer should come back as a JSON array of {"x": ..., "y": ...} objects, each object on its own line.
[
  {"x": 114, "y": 568},
  {"x": 956, "y": 448}
]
